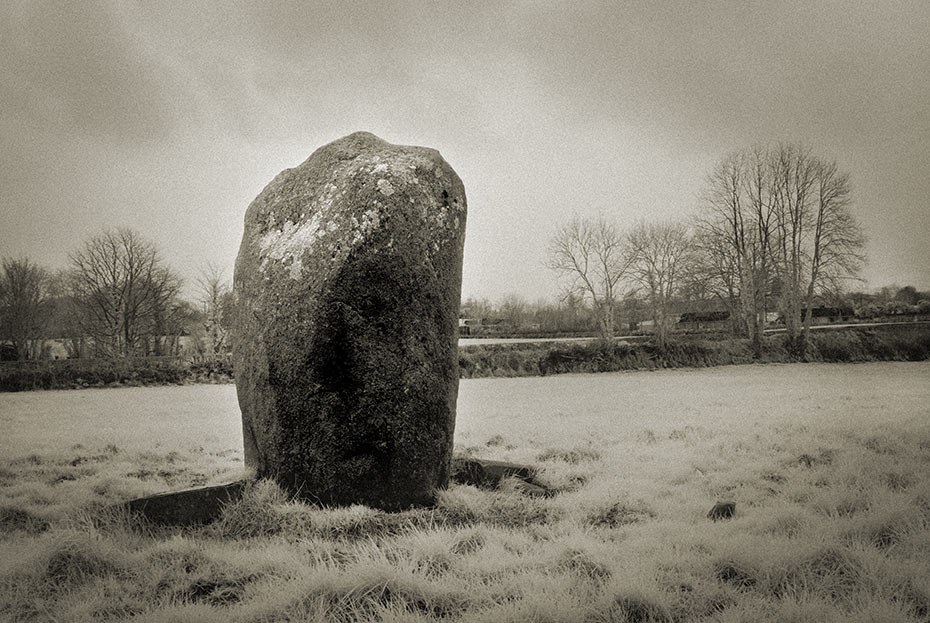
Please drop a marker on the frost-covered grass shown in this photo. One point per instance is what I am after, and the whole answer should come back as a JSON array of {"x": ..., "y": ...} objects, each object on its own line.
[{"x": 827, "y": 466}]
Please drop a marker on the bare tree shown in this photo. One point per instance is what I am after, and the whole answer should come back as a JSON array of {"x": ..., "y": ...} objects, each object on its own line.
[
  {"x": 514, "y": 310},
  {"x": 776, "y": 224},
  {"x": 124, "y": 294},
  {"x": 635, "y": 311},
  {"x": 714, "y": 273},
  {"x": 761, "y": 192},
  {"x": 65, "y": 316},
  {"x": 793, "y": 171},
  {"x": 179, "y": 318},
  {"x": 573, "y": 313},
  {"x": 820, "y": 242},
  {"x": 735, "y": 233},
  {"x": 216, "y": 301},
  {"x": 476, "y": 308},
  {"x": 24, "y": 289},
  {"x": 659, "y": 256},
  {"x": 836, "y": 248},
  {"x": 589, "y": 254}
]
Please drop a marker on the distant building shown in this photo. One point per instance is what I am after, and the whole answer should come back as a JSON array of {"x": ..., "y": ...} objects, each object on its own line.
[
  {"x": 7, "y": 352},
  {"x": 829, "y": 315},
  {"x": 484, "y": 326},
  {"x": 826, "y": 315},
  {"x": 704, "y": 321},
  {"x": 466, "y": 325}
]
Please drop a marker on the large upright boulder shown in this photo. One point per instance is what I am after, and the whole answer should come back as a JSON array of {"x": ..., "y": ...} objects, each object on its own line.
[{"x": 347, "y": 287}]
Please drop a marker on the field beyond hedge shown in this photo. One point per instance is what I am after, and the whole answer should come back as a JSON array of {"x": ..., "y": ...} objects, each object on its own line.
[{"x": 898, "y": 342}]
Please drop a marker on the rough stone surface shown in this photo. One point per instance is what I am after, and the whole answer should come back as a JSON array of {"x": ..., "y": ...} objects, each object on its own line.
[
  {"x": 187, "y": 508},
  {"x": 347, "y": 284}
]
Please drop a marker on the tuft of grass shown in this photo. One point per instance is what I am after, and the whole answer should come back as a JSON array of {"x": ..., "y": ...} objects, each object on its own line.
[
  {"x": 265, "y": 510},
  {"x": 788, "y": 522},
  {"x": 496, "y": 440},
  {"x": 375, "y": 591},
  {"x": 469, "y": 543},
  {"x": 582, "y": 564},
  {"x": 837, "y": 502},
  {"x": 636, "y": 606},
  {"x": 739, "y": 574},
  {"x": 13, "y": 519},
  {"x": 821, "y": 457},
  {"x": 829, "y": 572},
  {"x": 61, "y": 562},
  {"x": 898, "y": 481},
  {"x": 617, "y": 514},
  {"x": 883, "y": 529},
  {"x": 882, "y": 444},
  {"x": 572, "y": 457},
  {"x": 467, "y": 505},
  {"x": 690, "y": 434},
  {"x": 186, "y": 573}
]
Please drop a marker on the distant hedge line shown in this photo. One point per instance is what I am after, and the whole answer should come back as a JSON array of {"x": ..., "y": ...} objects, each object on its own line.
[
  {"x": 80, "y": 373},
  {"x": 891, "y": 343}
]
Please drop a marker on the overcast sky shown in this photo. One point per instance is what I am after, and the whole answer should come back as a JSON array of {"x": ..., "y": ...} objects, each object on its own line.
[{"x": 171, "y": 117}]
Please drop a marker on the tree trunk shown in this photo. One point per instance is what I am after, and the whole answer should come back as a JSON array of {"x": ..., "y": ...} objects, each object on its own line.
[
  {"x": 808, "y": 313},
  {"x": 605, "y": 314},
  {"x": 756, "y": 339},
  {"x": 660, "y": 322}
]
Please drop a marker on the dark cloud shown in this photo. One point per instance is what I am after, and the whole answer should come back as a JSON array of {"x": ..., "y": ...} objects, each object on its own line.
[{"x": 72, "y": 67}]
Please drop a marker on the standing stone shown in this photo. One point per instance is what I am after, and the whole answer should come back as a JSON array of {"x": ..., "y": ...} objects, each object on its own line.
[{"x": 347, "y": 287}]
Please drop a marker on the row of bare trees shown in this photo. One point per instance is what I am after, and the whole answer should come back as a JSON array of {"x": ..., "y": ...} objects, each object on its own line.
[
  {"x": 117, "y": 298},
  {"x": 516, "y": 315},
  {"x": 590, "y": 255},
  {"x": 602, "y": 263},
  {"x": 774, "y": 231}
]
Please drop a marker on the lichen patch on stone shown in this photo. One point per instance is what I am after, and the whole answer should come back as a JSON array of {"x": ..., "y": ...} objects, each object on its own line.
[
  {"x": 289, "y": 243},
  {"x": 371, "y": 218},
  {"x": 385, "y": 187}
]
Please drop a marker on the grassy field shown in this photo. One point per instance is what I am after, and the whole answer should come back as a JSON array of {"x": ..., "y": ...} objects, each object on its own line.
[{"x": 827, "y": 465}]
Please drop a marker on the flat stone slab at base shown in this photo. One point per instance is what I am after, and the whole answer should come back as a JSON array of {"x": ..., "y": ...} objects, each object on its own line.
[
  {"x": 194, "y": 507},
  {"x": 187, "y": 508},
  {"x": 488, "y": 474}
]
